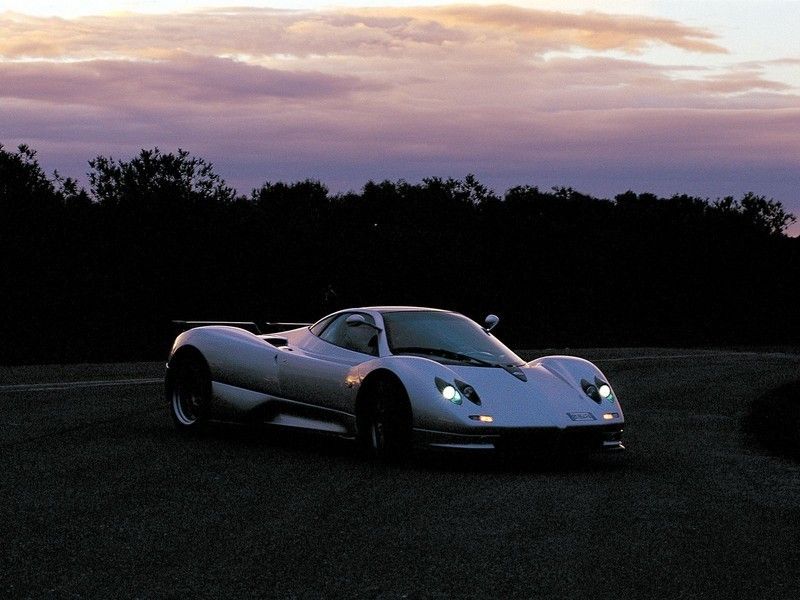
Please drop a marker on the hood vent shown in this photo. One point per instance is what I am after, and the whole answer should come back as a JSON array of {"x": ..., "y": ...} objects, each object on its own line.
[{"x": 516, "y": 372}]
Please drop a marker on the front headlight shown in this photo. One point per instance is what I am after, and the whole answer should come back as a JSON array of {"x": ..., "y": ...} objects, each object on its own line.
[
  {"x": 448, "y": 391},
  {"x": 451, "y": 393},
  {"x": 458, "y": 390},
  {"x": 597, "y": 391}
]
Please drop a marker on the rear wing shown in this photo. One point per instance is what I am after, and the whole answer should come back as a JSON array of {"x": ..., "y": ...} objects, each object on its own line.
[{"x": 250, "y": 326}]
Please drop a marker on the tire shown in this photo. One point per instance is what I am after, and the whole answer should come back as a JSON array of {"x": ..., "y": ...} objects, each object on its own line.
[
  {"x": 387, "y": 434},
  {"x": 189, "y": 393}
]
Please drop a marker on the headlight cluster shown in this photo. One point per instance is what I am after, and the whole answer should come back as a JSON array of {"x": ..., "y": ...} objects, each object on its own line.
[
  {"x": 597, "y": 391},
  {"x": 456, "y": 392}
]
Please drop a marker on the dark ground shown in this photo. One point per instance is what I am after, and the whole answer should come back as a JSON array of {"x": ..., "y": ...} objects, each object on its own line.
[{"x": 100, "y": 498}]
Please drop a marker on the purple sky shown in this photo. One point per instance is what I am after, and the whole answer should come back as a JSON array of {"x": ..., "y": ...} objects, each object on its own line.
[{"x": 600, "y": 102}]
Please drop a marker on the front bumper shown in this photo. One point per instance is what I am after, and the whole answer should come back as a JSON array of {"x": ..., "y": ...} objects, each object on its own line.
[{"x": 529, "y": 440}]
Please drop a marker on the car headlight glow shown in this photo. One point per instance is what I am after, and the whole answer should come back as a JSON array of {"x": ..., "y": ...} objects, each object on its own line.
[
  {"x": 597, "y": 391},
  {"x": 449, "y": 391}
]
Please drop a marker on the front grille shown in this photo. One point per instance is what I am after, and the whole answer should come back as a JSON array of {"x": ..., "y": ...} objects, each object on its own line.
[{"x": 546, "y": 440}]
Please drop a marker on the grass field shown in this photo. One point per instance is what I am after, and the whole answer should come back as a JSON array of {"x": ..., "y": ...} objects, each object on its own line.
[{"x": 100, "y": 498}]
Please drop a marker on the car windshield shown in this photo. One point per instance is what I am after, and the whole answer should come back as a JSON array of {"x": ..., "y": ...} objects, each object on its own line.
[{"x": 445, "y": 337}]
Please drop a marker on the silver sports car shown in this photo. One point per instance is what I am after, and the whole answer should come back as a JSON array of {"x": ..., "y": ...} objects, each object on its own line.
[{"x": 394, "y": 377}]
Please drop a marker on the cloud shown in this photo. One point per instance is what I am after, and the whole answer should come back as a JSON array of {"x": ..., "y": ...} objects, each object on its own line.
[
  {"x": 349, "y": 31},
  {"x": 182, "y": 78},
  {"x": 515, "y": 95},
  {"x": 590, "y": 30}
]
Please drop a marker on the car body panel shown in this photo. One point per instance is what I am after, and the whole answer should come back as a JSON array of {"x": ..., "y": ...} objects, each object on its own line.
[{"x": 302, "y": 380}]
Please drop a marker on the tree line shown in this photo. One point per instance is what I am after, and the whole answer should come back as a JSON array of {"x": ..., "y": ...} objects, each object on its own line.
[{"x": 99, "y": 273}]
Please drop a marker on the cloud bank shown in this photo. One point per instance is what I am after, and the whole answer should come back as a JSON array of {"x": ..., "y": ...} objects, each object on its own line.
[{"x": 515, "y": 95}]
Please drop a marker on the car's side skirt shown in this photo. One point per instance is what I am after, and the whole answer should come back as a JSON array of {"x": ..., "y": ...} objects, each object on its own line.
[{"x": 230, "y": 402}]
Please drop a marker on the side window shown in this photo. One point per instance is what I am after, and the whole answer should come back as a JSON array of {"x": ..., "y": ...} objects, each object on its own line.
[
  {"x": 359, "y": 338},
  {"x": 320, "y": 326}
]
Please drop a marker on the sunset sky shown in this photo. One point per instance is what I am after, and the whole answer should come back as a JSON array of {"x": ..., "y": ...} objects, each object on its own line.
[{"x": 669, "y": 97}]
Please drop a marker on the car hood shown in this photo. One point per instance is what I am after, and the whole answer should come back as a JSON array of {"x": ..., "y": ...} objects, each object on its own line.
[{"x": 550, "y": 397}]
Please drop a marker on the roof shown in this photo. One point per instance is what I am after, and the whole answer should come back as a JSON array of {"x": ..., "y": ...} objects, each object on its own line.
[{"x": 384, "y": 309}]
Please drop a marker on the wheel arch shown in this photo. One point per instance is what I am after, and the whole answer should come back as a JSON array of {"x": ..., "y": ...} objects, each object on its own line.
[
  {"x": 367, "y": 388},
  {"x": 185, "y": 353}
]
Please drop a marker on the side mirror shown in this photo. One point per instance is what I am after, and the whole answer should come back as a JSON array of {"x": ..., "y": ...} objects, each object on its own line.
[
  {"x": 356, "y": 320},
  {"x": 490, "y": 322}
]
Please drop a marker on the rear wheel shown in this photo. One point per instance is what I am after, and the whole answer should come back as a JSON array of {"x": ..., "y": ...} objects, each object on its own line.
[
  {"x": 189, "y": 392},
  {"x": 387, "y": 431}
]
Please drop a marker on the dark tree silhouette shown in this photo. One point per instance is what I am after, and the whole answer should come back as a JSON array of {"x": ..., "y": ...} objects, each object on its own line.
[
  {"x": 157, "y": 178},
  {"x": 765, "y": 214},
  {"x": 99, "y": 274}
]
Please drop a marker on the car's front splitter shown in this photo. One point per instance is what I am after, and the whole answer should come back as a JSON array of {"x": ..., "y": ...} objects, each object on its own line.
[{"x": 533, "y": 440}]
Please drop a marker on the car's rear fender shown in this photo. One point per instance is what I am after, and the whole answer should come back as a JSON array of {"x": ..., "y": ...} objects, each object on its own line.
[{"x": 234, "y": 356}]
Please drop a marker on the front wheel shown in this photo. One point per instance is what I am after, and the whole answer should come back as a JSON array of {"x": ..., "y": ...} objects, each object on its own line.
[
  {"x": 188, "y": 393},
  {"x": 388, "y": 424}
]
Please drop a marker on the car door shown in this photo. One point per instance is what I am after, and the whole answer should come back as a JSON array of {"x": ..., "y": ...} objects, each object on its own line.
[{"x": 319, "y": 372}]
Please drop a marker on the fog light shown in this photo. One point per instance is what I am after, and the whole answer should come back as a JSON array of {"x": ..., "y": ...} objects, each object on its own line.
[{"x": 609, "y": 416}]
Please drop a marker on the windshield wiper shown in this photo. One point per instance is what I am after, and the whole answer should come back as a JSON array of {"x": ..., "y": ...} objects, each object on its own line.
[{"x": 451, "y": 354}]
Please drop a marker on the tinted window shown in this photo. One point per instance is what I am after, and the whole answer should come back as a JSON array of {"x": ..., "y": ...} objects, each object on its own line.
[
  {"x": 359, "y": 338},
  {"x": 320, "y": 326},
  {"x": 446, "y": 337}
]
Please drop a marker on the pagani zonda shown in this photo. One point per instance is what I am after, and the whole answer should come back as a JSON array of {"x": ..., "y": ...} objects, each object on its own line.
[{"x": 393, "y": 377}]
